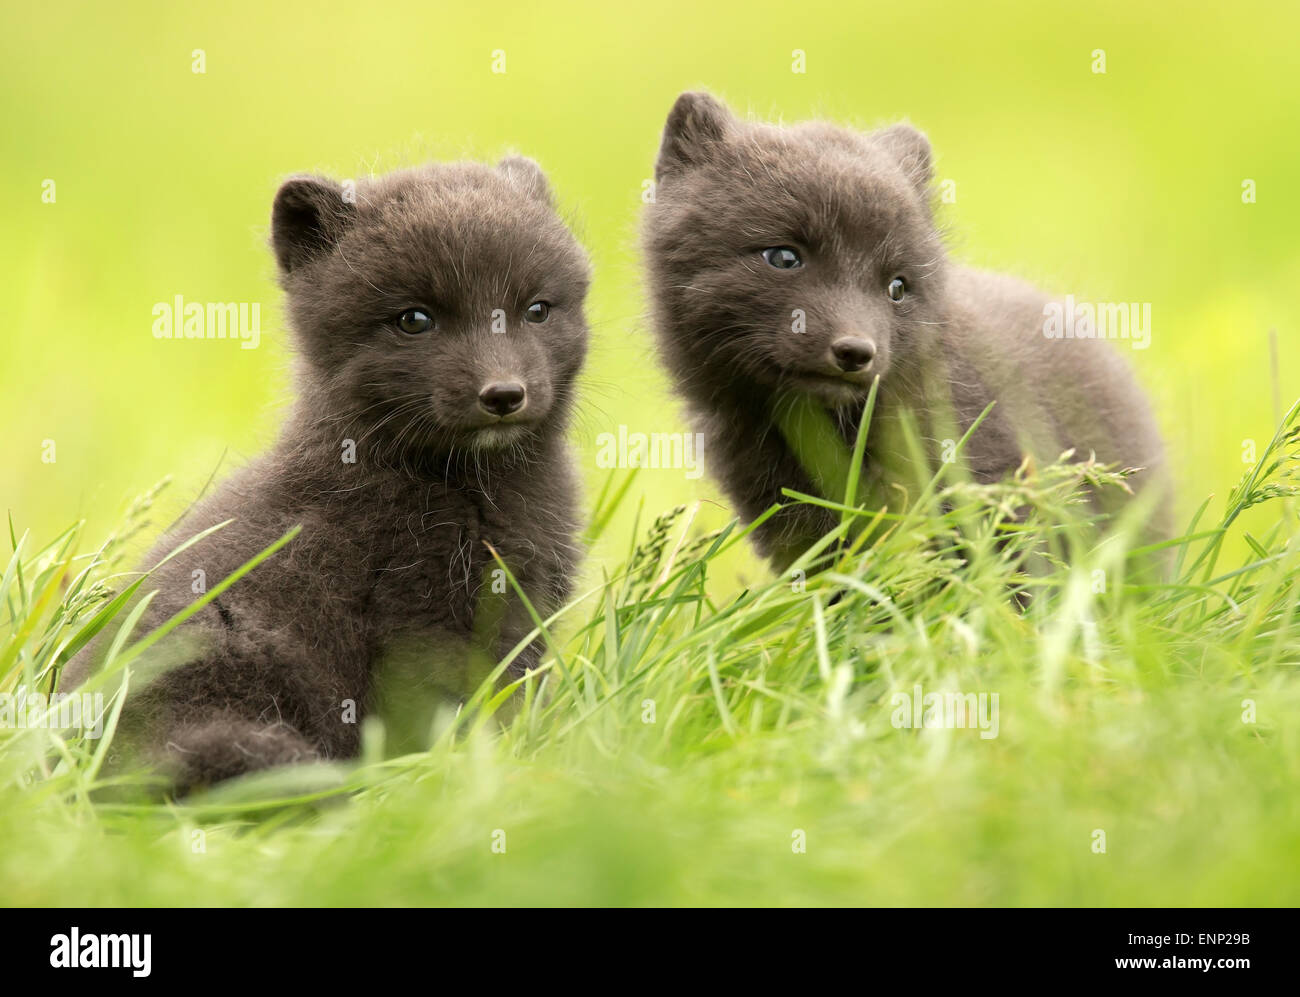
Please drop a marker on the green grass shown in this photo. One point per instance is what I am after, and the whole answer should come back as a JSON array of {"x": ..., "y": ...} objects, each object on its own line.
[{"x": 675, "y": 747}]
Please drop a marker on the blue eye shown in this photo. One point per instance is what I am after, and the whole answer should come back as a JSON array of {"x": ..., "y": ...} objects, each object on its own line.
[
  {"x": 414, "y": 321},
  {"x": 782, "y": 257},
  {"x": 897, "y": 288}
]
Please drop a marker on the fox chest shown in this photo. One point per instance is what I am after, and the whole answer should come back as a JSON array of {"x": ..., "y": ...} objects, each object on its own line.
[{"x": 443, "y": 567}]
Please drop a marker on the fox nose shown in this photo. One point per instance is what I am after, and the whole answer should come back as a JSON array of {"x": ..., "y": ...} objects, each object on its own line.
[
  {"x": 852, "y": 354},
  {"x": 502, "y": 398}
]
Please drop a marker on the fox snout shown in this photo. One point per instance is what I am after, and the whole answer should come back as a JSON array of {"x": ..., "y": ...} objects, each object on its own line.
[
  {"x": 503, "y": 398},
  {"x": 852, "y": 353}
]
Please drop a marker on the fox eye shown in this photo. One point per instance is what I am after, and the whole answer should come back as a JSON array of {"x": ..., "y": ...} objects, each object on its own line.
[
  {"x": 537, "y": 312},
  {"x": 897, "y": 288},
  {"x": 414, "y": 321},
  {"x": 782, "y": 257}
]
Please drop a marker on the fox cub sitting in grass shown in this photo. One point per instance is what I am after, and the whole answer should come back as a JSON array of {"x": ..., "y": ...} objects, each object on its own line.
[
  {"x": 790, "y": 267},
  {"x": 438, "y": 317}
]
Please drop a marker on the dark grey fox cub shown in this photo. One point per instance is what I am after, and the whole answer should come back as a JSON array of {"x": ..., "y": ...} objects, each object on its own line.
[
  {"x": 439, "y": 325},
  {"x": 797, "y": 264}
]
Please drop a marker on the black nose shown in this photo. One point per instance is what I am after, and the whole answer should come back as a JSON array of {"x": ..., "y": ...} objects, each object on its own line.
[
  {"x": 502, "y": 398},
  {"x": 852, "y": 354}
]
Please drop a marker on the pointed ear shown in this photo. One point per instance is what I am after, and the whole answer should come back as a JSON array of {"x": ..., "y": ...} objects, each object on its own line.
[
  {"x": 307, "y": 219},
  {"x": 697, "y": 122},
  {"x": 525, "y": 174},
  {"x": 911, "y": 150}
]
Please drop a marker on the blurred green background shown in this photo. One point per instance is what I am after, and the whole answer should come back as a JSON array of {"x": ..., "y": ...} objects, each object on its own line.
[{"x": 1123, "y": 186}]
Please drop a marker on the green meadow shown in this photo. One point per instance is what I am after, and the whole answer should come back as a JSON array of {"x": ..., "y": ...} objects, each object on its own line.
[{"x": 701, "y": 731}]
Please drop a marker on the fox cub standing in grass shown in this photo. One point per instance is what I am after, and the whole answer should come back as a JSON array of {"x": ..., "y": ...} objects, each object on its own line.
[
  {"x": 439, "y": 322},
  {"x": 795, "y": 265}
]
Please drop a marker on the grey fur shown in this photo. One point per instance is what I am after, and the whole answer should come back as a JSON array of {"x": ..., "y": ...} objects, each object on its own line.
[
  {"x": 858, "y": 205},
  {"x": 392, "y": 564}
]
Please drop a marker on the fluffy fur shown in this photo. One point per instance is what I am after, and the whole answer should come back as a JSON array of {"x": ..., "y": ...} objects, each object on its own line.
[
  {"x": 856, "y": 208},
  {"x": 387, "y": 594}
]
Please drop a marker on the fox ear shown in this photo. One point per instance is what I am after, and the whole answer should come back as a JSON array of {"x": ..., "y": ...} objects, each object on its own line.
[
  {"x": 528, "y": 177},
  {"x": 697, "y": 122},
  {"x": 911, "y": 150},
  {"x": 307, "y": 219}
]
